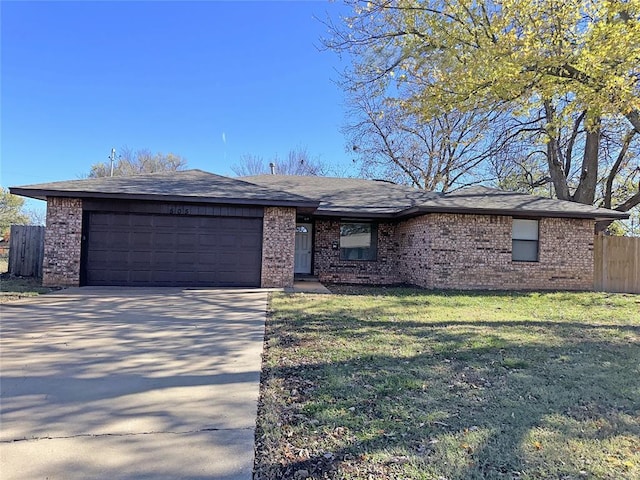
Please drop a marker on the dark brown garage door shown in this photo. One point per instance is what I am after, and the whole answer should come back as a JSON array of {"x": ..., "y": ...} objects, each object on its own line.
[{"x": 170, "y": 250}]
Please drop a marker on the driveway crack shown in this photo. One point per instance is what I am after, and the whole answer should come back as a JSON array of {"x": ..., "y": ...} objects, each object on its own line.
[{"x": 131, "y": 434}]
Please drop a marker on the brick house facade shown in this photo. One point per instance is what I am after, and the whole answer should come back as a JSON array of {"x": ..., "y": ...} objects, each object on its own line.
[
  {"x": 452, "y": 251},
  {"x": 244, "y": 232}
]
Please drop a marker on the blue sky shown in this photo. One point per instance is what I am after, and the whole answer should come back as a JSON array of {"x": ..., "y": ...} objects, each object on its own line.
[{"x": 209, "y": 81}]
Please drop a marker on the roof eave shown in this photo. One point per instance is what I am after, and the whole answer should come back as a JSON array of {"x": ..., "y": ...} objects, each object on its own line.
[
  {"x": 40, "y": 194},
  {"x": 516, "y": 213},
  {"x": 354, "y": 214}
]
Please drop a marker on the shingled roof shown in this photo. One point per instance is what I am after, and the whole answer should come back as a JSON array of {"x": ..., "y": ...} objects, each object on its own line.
[
  {"x": 185, "y": 185},
  {"x": 347, "y": 197},
  {"x": 479, "y": 200},
  {"x": 351, "y": 196}
]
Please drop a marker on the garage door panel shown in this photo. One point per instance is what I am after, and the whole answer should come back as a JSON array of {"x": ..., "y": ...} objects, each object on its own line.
[
  {"x": 141, "y": 259},
  {"x": 119, "y": 221},
  {"x": 186, "y": 259},
  {"x": 163, "y": 221},
  {"x": 227, "y": 240},
  {"x": 100, "y": 240},
  {"x": 188, "y": 223},
  {"x": 119, "y": 242},
  {"x": 250, "y": 243},
  {"x": 101, "y": 256},
  {"x": 207, "y": 258},
  {"x": 186, "y": 240},
  {"x": 166, "y": 250},
  {"x": 140, "y": 276},
  {"x": 207, "y": 240},
  {"x": 141, "y": 221},
  {"x": 164, "y": 242},
  {"x": 116, "y": 275},
  {"x": 165, "y": 276},
  {"x": 248, "y": 260}
]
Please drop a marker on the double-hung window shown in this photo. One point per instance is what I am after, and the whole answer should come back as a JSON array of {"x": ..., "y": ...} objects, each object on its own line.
[
  {"x": 524, "y": 240},
  {"x": 358, "y": 241}
]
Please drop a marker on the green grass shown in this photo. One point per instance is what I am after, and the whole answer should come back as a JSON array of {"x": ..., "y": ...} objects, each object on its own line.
[
  {"x": 16, "y": 288},
  {"x": 409, "y": 384}
]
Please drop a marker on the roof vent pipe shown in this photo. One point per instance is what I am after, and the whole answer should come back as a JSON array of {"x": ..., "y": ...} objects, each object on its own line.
[{"x": 272, "y": 166}]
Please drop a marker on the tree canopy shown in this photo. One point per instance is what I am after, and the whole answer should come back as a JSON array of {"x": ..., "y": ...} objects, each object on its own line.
[
  {"x": 11, "y": 211},
  {"x": 566, "y": 73},
  {"x": 440, "y": 154},
  {"x": 130, "y": 162},
  {"x": 468, "y": 53}
]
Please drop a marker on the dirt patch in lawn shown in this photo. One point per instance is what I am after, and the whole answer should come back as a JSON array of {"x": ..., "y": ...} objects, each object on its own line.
[{"x": 404, "y": 383}]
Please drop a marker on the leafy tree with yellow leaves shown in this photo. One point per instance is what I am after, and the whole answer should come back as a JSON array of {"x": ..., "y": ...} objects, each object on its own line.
[{"x": 569, "y": 70}]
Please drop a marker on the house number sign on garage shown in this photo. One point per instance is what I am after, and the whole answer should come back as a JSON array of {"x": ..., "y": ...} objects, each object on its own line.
[{"x": 179, "y": 211}]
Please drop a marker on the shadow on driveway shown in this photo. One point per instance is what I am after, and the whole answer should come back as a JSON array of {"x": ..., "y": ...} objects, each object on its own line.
[{"x": 131, "y": 383}]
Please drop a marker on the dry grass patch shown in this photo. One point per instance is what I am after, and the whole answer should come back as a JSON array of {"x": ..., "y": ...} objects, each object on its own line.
[
  {"x": 15, "y": 288},
  {"x": 404, "y": 383}
]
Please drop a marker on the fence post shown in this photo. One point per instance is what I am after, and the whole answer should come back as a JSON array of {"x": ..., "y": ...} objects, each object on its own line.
[{"x": 597, "y": 263}]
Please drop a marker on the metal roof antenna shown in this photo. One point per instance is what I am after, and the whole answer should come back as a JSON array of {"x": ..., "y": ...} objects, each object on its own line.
[
  {"x": 272, "y": 166},
  {"x": 112, "y": 159}
]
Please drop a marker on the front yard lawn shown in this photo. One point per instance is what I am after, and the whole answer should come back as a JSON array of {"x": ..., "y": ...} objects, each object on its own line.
[{"x": 408, "y": 384}]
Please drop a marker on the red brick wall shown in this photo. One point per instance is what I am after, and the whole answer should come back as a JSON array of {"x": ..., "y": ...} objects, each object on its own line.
[
  {"x": 328, "y": 266},
  {"x": 278, "y": 246},
  {"x": 414, "y": 251},
  {"x": 432, "y": 251},
  {"x": 62, "y": 242},
  {"x": 474, "y": 252}
]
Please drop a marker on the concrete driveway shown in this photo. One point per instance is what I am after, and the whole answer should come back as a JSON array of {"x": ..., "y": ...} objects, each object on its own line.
[{"x": 119, "y": 383}]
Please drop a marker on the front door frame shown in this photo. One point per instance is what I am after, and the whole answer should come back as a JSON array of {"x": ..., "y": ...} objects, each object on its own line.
[{"x": 296, "y": 269}]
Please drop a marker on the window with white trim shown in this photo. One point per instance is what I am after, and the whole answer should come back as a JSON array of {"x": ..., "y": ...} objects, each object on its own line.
[{"x": 524, "y": 240}]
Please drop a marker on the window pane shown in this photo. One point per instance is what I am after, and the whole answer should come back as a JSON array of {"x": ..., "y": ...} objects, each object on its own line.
[
  {"x": 357, "y": 254},
  {"x": 525, "y": 229},
  {"x": 358, "y": 241},
  {"x": 355, "y": 235},
  {"x": 525, "y": 251}
]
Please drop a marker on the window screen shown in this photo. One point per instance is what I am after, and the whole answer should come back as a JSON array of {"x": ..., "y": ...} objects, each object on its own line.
[{"x": 524, "y": 240}]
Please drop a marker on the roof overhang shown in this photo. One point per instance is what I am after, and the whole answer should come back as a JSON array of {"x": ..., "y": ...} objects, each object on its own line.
[
  {"x": 41, "y": 194},
  {"x": 355, "y": 214},
  {"x": 416, "y": 211},
  {"x": 609, "y": 215}
]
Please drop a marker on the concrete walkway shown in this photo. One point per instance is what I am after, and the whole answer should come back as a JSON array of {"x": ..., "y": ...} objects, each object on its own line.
[
  {"x": 308, "y": 285},
  {"x": 111, "y": 383}
]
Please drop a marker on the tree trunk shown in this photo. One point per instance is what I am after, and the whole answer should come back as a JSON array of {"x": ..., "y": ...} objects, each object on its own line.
[
  {"x": 586, "y": 191},
  {"x": 608, "y": 192},
  {"x": 556, "y": 171},
  {"x": 634, "y": 117}
]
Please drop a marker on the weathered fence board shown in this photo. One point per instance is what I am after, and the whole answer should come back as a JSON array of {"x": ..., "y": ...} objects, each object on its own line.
[
  {"x": 26, "y": 250},
  {"x": 616, "y": 264}
]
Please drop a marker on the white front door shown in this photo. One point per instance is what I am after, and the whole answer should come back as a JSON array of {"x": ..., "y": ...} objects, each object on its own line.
[{"x": 302, "y": 262}]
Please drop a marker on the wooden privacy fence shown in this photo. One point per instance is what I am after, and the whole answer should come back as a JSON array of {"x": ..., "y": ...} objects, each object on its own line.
[
  {"x": 26, "y": 250},
  {"x": 617, "y": 264}
]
